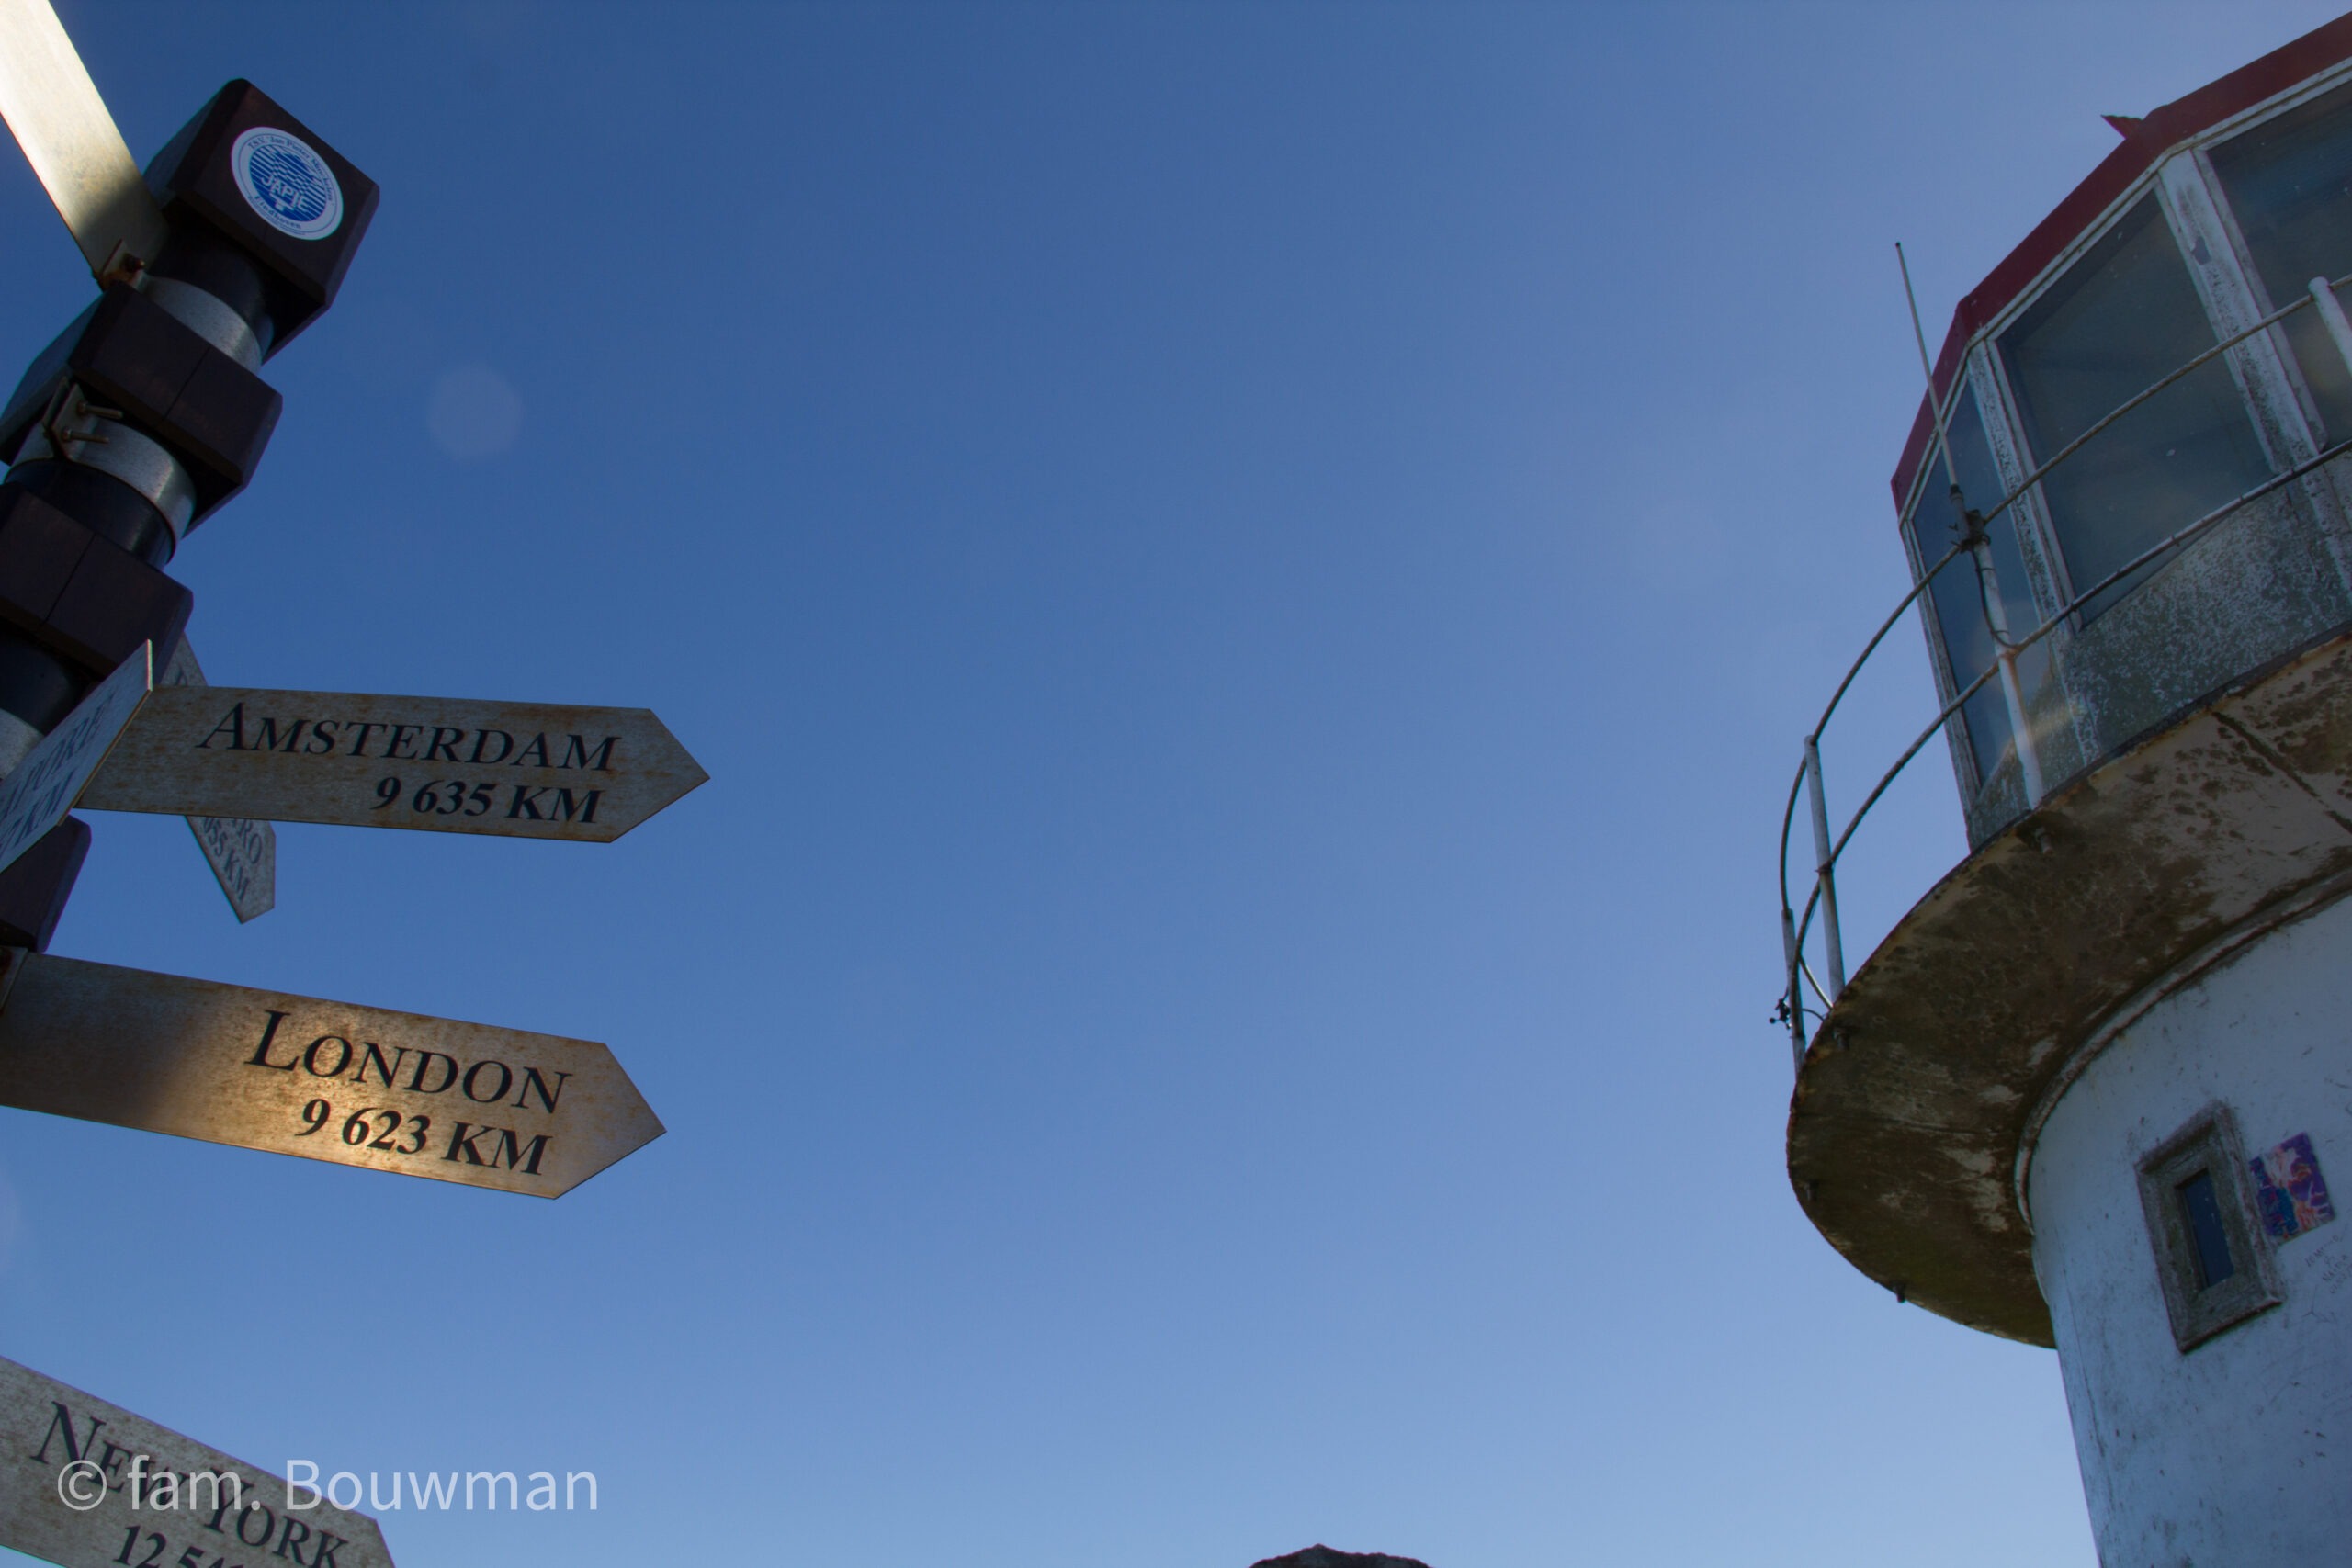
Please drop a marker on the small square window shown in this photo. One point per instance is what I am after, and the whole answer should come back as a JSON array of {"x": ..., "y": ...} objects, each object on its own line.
[{"x": 2211, "y": 1257}]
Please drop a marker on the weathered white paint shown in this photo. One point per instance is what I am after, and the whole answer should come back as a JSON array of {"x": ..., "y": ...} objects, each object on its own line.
[{"x": 2239, "y": 1451}]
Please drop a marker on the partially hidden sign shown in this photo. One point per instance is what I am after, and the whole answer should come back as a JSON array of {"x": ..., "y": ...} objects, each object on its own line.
[
  {"x": 42, "y": 789},
  {"x": 242, "y": 852},
  {"x": 88, "y": 1484},
  {"x": 444, "y": 764},
  {"x": 362, "y": 1086}
]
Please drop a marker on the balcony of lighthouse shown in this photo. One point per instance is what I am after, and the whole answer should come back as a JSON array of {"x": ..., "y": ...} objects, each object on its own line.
[
  {"x": 2130, "y": 486},
  {"x": 2126, "y": 501}
]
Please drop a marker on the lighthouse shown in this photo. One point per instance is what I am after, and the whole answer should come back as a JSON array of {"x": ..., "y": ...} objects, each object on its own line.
[{"x": 2091, "y": 1090}]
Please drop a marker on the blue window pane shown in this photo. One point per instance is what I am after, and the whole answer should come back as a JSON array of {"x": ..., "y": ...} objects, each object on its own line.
[
  {"x": 2122, "y": 318},
  {"x": 2209, "y": 1241},
  {"x": 2290, "y": 184}
]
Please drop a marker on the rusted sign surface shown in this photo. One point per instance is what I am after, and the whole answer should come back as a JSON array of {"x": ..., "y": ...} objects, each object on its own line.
[
  {"x": 362, "y": 1086},
  {"x": 36, "y": 796},
  {"x": 445, "y": 764},
  {"x": 242, "y": 852},
  {"x": 88, "y": 1484}
]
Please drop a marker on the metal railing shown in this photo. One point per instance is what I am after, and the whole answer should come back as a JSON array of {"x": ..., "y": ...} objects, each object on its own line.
[{"x": 1797, "y": 926}]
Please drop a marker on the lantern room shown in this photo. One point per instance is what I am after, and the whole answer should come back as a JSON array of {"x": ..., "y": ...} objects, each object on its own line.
[{"x": 2141, "y": 407}]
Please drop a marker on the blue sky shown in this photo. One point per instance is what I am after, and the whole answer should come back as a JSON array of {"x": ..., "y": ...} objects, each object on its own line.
[{"x": 1248, "y": 579}]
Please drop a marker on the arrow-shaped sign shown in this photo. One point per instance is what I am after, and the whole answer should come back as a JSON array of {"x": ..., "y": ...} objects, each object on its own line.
[
  {"x": 361, "y": 1086},
  {"x": 88, "y": 1484},
  {"x": 41, "y": 790},
  {"x": 242, "y": 852},
  {"x": 522, "y": 770}
]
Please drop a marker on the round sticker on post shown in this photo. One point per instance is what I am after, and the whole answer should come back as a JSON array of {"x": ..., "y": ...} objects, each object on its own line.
[{"x": 283, "y": 178}]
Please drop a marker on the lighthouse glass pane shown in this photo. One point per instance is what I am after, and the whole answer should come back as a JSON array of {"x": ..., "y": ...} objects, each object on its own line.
[
  {"x": 1969, "y": 647},
  {"x": 2290, "y": 184},
  {"x": 2122, "y": 319},
  {"x": 2200, "y": 1210}
]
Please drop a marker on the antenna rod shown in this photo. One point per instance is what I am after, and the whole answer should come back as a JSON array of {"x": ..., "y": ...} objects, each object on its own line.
[
  {"x": 1996, "y": 620},
  {"x": 1988, "y": 580},
  {"x": 1935, "y": 403}
]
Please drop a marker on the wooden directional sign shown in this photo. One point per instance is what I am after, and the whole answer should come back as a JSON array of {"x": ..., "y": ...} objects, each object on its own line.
[
  {"x": 524, "y": 770},
  {"x": 361, "y": 1086},
  {"x": 88, "y": 1484},
  {"x": 36, "y": 796},
  {"x": 242, "y": 852}
]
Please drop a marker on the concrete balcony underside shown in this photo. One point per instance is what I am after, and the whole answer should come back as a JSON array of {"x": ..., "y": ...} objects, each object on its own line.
[{"x": 1941, "y": 1059}]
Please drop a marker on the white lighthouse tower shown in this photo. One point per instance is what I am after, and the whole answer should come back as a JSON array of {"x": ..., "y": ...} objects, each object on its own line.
[{"x": 2090, "y": 1091}]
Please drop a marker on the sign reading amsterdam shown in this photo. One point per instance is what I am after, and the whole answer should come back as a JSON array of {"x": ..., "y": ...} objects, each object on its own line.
[
  {"x": 361, "y": 1086},
  {"x": 90, "y": 1486},
  {"x": 526, "y": 770}
]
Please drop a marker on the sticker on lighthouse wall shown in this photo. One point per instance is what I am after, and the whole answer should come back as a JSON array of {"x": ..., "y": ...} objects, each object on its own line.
[
  {"x": 2289, "y": 1188},
  {"x": 283, "y": 178}
]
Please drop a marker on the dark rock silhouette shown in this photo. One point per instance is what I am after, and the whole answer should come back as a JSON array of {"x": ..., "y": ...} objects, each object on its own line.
[{"x": 1324, "y": 1557}]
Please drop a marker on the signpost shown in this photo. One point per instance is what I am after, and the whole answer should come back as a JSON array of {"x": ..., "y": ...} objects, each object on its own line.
[
  {"x": 242, "y": 852},
  {"x": 443, "y": 764},
  {"x": 88, "y": 1484},
  {"x": 232, "y": 241},
  {"x": 399, "y": 1092}
]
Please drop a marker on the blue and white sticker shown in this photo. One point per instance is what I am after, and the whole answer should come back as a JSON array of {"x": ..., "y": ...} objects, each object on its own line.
[{"x": 283, "y": 178}]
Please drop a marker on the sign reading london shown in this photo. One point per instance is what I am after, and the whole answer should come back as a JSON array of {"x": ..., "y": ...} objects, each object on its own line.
[
  {"x": 88, "y": 1484},
  {"x": 444, "y": 764},
  {"x": 360, "y": 1086}
]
